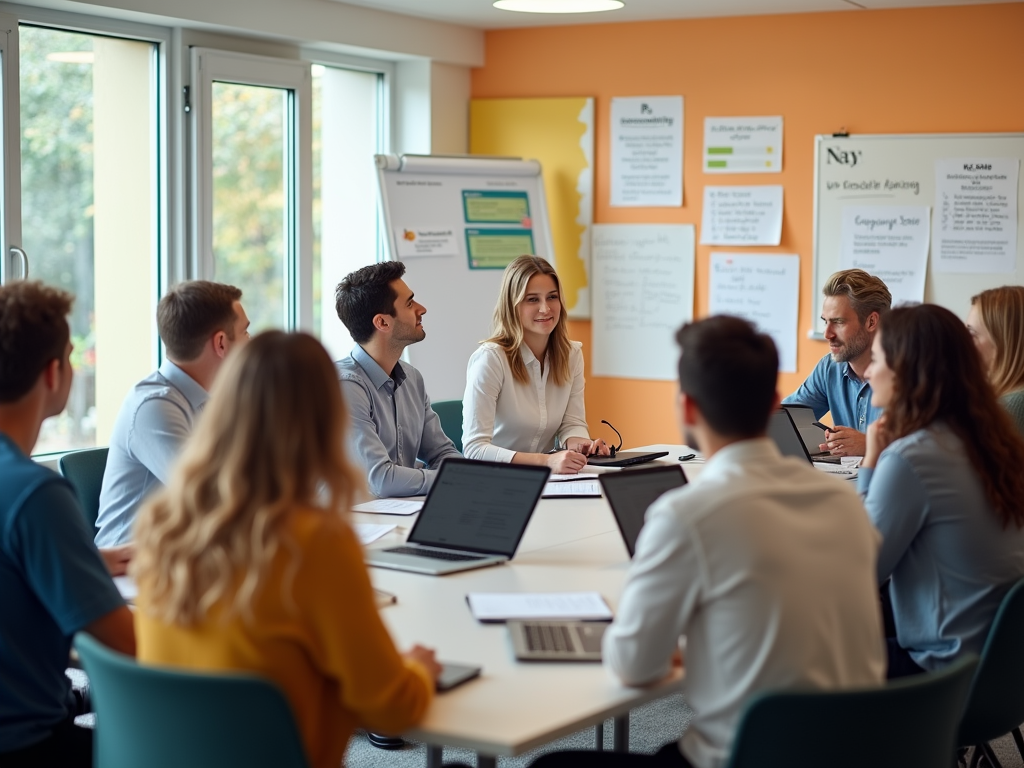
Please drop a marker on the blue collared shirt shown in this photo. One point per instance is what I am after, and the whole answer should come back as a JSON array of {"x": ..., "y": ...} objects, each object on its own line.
[
  {"x": 156, "y": 418},
  {"x": 835, "y": 387},
  {"x": 392, "y": 425}
]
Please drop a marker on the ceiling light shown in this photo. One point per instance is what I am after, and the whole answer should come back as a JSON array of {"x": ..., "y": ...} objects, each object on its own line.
[
  {"x": 558, "y": 6},
  {"x": 72, "y": 57}
]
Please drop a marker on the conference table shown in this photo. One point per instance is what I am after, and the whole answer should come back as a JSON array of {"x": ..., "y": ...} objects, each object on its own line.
[{"x": 570, "y": 545}]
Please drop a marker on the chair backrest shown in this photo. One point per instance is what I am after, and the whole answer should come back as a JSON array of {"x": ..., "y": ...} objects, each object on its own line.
[
  {"x": 995, "y": 704},
  {"x": 450, "y": 414},
  {"x": 84, "y": 470},
  {"x": 911, "y": 721},
  {"x": 163, "y": 718}
]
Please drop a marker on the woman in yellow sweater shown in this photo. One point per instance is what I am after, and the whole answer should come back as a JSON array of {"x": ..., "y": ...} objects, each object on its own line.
[{"x": 246, "y": 562}]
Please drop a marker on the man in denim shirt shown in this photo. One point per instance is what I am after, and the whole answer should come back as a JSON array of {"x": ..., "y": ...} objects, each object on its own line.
[{"x": 854, "y": 301}]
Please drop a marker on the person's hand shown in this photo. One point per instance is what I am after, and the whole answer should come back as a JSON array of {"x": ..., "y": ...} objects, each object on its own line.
[
  {"x": 425, "y": 657},
  {"x": 591, "y": 447},
  {"x": 878, "y": 440},
  {"x": 117, "y": 558},
  {"x": 844, "y": 441},
  {"x": 566, "y": 462}
]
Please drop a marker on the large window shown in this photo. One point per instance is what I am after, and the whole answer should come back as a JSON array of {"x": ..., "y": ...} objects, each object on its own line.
[{"x": 89, "y": 210}]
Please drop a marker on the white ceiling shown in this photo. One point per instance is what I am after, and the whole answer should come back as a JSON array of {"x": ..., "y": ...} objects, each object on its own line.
[{"x": 481, "y": 14}]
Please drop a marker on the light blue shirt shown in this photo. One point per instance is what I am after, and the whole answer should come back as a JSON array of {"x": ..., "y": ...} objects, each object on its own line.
[
  {"x": 155, "y": 420},
  {"x": 950, "y": 559},
  {"x": 835, "y": 387},
  {"x": 392, "y": 426}
]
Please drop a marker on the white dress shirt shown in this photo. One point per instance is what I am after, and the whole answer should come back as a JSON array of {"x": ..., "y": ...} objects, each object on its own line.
[
  {"x": 502, "y": 417},
  {"x": 767, "y": 567}
]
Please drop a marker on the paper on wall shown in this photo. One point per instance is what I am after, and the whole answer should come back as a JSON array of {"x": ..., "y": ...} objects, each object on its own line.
[
  {"x": 647, "y": 151},
  {"x": 890, "y": 242},
  {"x": 742, "y": 215}
]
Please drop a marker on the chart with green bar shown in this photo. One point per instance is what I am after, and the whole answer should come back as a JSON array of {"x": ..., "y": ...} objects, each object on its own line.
[
  {"x": 747, "y": 159},
  {"x": 743, "y": 144},
  {"x": 496, "y": 248}
]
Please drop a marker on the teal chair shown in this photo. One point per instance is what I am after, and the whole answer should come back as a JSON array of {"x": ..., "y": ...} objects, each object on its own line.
[
  {"x": 84, "y": 470},
  {"x": 911, "y": 721},
  {"x": 995, "y": 705},
  {"x": 450, "y": 414},
  {"x": 162, "y": 718}
]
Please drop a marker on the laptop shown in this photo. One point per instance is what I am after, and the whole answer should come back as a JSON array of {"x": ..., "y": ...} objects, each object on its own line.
[
  {"x": 784, "y": 434},
  {"x": 625, "y": 458},
  {"x": 631, "y": 493},
  {"x": 803, "y": 419},
  {"x": 474, "y": 516},
  {"x": 557, "y": 640}
]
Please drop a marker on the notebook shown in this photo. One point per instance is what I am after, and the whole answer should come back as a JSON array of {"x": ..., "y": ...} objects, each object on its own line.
[
  {"x": 625, "y": 458},
  {"x": 631, "y": 493},
  {"x": 474, "y": 516},
  {"x": 556, "y": 640}
]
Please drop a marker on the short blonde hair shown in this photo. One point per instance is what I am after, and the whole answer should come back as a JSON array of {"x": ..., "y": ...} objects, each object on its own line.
[
  {"x": 865, "y": 292},
  {"x": 271, "y": 441},
  {"x": 508, "y": 329},
  {"x": 1002, "y": 312}
]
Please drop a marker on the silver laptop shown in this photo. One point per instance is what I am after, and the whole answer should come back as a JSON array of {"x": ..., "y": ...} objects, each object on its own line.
[
  {"x": 474, "y": 516},
  {"x": 803, "y": 419},
  {"x": 783, "y": 432},
  {"x": 631, "y": 493},
  {"x": 557, "y": 640}
]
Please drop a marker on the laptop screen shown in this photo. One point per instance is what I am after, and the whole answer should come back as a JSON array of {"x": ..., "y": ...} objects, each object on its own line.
[
  {"x": 631, "y": 492},
  {"x": 479, "y": 506},
  {"x": 783, "y": 432}
]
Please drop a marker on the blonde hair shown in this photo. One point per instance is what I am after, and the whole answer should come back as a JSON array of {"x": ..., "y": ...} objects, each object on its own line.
[
  {"x": 508, "y": 328},
  {"x": 865, "y": 292},
  {"x": 1002, "y": 312},
  {"x": 270, "y": 441}
]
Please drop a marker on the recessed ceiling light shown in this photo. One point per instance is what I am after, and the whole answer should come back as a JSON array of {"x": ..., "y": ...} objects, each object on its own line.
[
  {"x": 558, "y": 6},
  {"x": 72, "y": 57}
]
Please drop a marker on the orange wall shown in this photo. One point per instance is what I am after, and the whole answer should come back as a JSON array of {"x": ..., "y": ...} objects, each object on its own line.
[{"x": 928, "y": 70}]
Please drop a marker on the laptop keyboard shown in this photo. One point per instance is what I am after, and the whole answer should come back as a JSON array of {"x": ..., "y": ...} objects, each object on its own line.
[
  {"x": 547, "y": 637},
  {"x": 433, "y": 554}
]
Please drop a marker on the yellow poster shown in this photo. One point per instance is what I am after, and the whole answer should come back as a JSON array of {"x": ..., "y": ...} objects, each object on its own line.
[{"x": 559, "y": 133}]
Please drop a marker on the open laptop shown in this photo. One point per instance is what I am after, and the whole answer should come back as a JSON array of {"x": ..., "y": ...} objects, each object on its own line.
[
  {"x": 557, "y": 640},
  {"x": 474, "y": 516},
  {"x": 784, "y": 434},
  {"x": 803, "y": 419},
  {"x": 631, "y": 493},
  {"x": 625, "y": 458}
]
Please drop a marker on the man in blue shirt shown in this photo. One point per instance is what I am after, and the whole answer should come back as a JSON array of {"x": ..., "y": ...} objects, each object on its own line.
[
  {"x": 53, "y": 580},
  {"x": 854, "y": 301},
  {"x": 199, "y": 323},
  {"x": 396, "y": 435}
]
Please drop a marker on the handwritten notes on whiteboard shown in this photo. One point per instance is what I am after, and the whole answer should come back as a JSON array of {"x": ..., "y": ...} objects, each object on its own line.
[
  {"x": 643, "y": 292},
  {"x": 761, "y": 288}
]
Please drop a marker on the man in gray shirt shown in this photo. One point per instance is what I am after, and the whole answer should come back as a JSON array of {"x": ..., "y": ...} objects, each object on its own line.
[
  {"x": 395, "y": 435},
  {"x": 199, "y": 323}
]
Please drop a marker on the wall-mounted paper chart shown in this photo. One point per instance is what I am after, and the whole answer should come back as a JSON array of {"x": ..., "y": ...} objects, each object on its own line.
[
  {"x": 742, "y": 215},
  {"x": 643, "y": 292},
  {"x": 647, "y": 151},
  {"x": 890, "y": 242},
  {"x": 742, "y": 144},
  {"x": 761, "y": 288}
]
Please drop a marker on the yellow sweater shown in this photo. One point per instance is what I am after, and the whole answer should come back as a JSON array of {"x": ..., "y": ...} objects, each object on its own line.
[{"x": 330, "y": 654}]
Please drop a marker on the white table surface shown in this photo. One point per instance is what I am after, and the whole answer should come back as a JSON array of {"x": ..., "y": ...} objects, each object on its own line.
[{"x": 569, "y": 545}]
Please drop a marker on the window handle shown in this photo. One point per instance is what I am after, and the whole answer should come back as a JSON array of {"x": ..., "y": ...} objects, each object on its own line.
[{"x": 16, "y": 251}]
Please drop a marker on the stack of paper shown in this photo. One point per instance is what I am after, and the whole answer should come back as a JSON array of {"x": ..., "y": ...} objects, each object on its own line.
[
  {"x": 390, "y": 506},
  {"x": 572, "y": 488},
  {"x": 502, "y": 606}
]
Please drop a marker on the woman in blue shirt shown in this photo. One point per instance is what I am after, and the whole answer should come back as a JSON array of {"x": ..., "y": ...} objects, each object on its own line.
[{"x": 942, "y": 484}]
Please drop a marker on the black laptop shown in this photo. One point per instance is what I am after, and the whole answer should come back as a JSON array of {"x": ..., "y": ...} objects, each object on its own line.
[{"x": 631, "y": 493}]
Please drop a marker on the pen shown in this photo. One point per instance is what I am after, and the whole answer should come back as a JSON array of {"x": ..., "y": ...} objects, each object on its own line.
[
  {"x": 688, "y": 456},
  {"x": 819, "y": 425}
]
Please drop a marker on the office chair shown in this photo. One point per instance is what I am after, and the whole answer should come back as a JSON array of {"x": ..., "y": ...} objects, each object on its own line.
[
  {"x": 450, "y": 414},
  {"x": 84, "y": 470}
]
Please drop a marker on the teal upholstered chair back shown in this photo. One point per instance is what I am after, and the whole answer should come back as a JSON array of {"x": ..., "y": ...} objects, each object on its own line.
[
  {"x": 84, "y": 470},
  {"x": 162, "y": 718},
  {"x": 450, "y": 414},
  {"x": 911, "y": 721}
]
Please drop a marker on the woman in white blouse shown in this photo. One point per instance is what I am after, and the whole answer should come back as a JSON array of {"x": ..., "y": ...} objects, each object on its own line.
[{"x": 524, "y": 385}]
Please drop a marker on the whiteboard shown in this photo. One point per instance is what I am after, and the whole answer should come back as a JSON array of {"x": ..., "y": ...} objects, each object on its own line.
[
  {"x": 426, "y": 194},
  {"x": 900, "y": 170}
]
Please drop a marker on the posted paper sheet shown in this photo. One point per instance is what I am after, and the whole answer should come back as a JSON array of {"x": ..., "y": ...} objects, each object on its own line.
[
  {"x": 742, "y": 215},
  {"x": 643, "y": 292},
  {"x": 742, "y": 144},
  {"x": 647, "y": 151},
  {"x": 975, "y": 224},
  {"x": 500, "y": 606},
  {"x": 890, "y": 242},
  {"x": 764, "y": 289}
]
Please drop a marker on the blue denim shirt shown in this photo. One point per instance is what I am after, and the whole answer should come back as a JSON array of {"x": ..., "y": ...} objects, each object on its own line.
[
  {"x": 835, "y": 387},
  {"x": 392, "y": 425}
]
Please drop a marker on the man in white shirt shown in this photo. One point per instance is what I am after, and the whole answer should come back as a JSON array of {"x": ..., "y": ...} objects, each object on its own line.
[{"x": 764, "y": 565}]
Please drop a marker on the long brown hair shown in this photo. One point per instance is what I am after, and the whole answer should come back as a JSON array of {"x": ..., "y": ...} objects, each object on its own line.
[
  {"x": 508, "y": 329},
  {"x": 1002, "y": 312},
  {"x": 271, "y": 440},
  {"x": 938, "y": 376}
]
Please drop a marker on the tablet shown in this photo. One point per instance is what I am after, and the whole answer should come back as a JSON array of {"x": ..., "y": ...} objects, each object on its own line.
[{"x": 453, "y": 675}]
